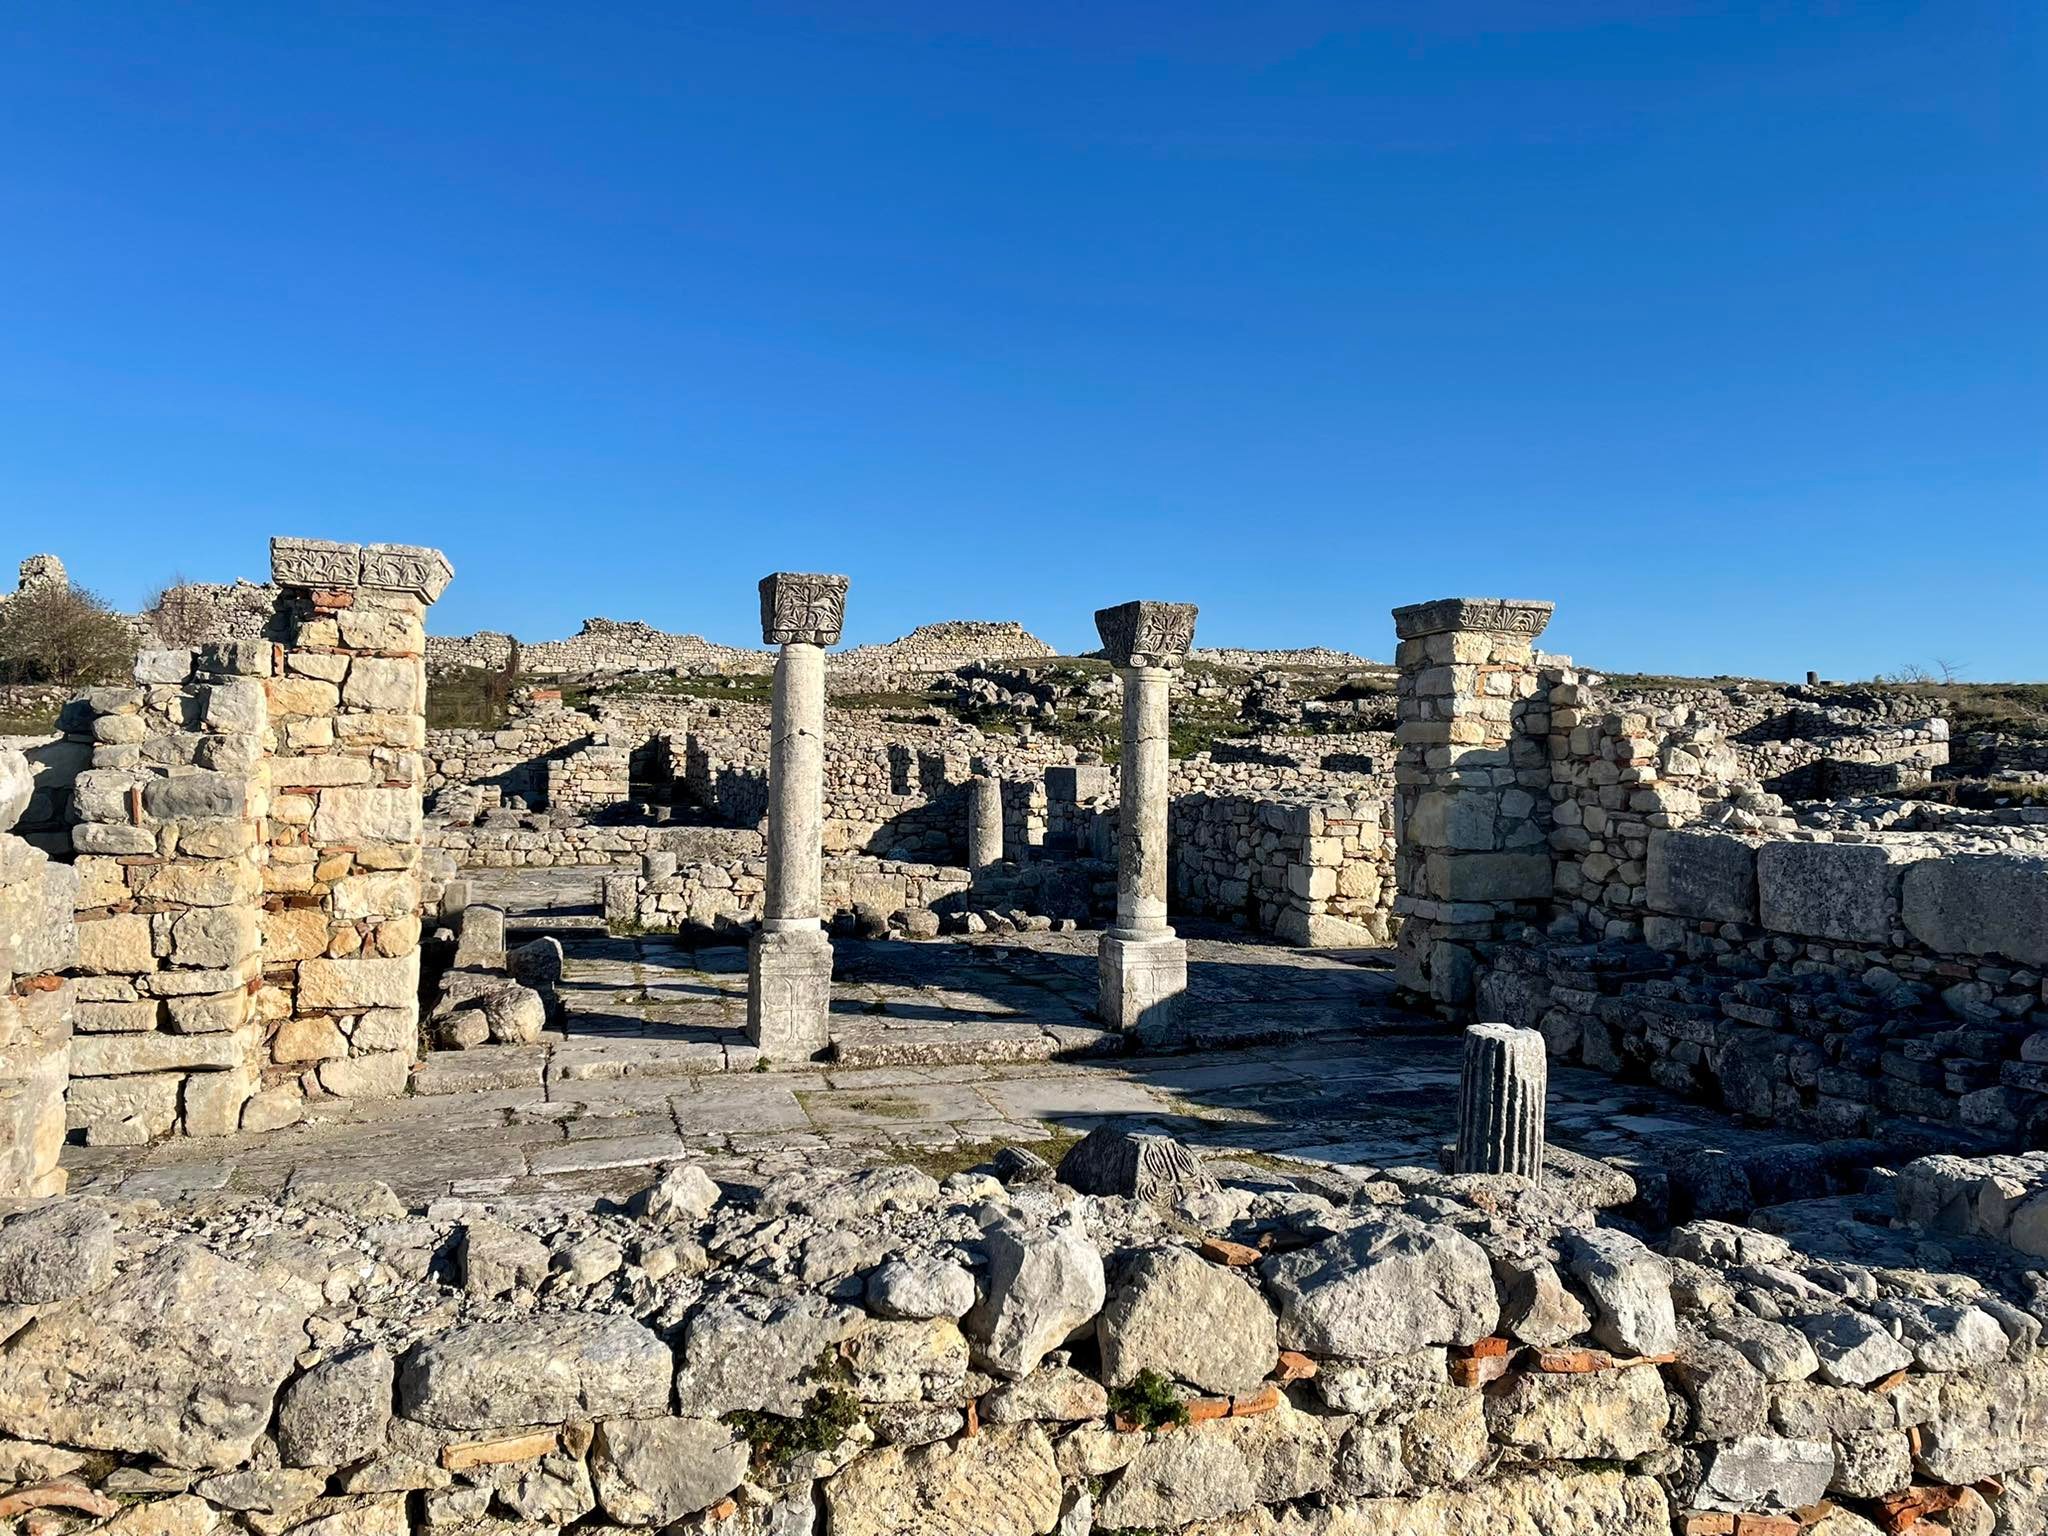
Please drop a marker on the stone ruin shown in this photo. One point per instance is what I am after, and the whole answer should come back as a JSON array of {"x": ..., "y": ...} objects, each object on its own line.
[{"x": 223, "y": 923}]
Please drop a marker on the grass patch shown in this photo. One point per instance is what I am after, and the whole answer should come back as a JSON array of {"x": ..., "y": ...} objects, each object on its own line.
[
  {"x": 1148, "y": 1402},
  {"x": 748, "y": 688},
  {"x": 29, "y": 725},
  {"x": 943, "y": 1162},
  {"x": 899, "y": 700}
]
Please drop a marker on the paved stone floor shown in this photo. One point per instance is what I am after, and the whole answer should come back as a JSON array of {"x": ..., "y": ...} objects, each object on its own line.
[{"x": 942, "y": 1048}]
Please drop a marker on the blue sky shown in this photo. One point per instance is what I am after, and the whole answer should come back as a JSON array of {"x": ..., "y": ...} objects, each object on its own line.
[{"x": 1722, "y": 325}]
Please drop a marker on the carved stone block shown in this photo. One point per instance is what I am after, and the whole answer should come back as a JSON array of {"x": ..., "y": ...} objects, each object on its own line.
[
  {"x": 1146, "y": 634},
  {"x": 789, "y": 994},
  {"x": 1490, "y": 615},
  {"x": 800, "y": 608},
  {"x": 407, "y": 568},
  {"x": 315, "y": 563},
  {"x": 1142, "y": 985}
]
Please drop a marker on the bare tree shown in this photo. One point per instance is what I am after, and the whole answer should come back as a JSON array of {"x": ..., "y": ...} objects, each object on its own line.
[
  {"x": 1951, "y": 671},
  {"x": 177, "y": 615}
]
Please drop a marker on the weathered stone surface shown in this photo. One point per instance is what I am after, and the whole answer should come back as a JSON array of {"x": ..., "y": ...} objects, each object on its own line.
[
  {"x": 338, "y": 1411},
  {"x": 180, "y": 1358},
  {"x": 1852, "y": 1350},
  {"x": 919, "y": 1288},
  {"x": 1844, "y": 891},
  {"x": 1727, "y": 1393},
  {"x": 1042, "y": 1285},
  {"x": 1111, "y": 1160},
  {"x": 344, "y": 985},
  {"x": 54, "y": 1252},
  {"x": 1985, "y": 1422},
  {"x": 1381, "y": 1389},
  {"x": 760, "y": 1358},
  {"x": 1779, "y": 1352},
  {"x": 1765, "y": 1472},
  {"x": 1057, "y": 1393},
  {"x": 534, "y": 1370},
  {"x": 1710, "y": 876},
  {"x": 1174, "y": 1312},
  {"x": 1536, "y": 1308},
  {"x": 1980, "y": 904},
  {"x": 1546, "y": 1503},
  {"x": 1002, "y": 1482},
  {"x": 655, "y": 1471},
  {"x": 1383, "y": 1289},
  {"x": 1212, "y": 1470},
  {"x": 1591, "y": 1416},
  {"x": 1630, "y": 1288},
  {"x": 17, "y": 787}
]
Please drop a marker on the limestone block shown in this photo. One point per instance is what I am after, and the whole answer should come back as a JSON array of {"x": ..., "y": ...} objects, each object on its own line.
[
  {"x": 302, "y": 696},
  {"x": 213, "y": 936},
  {"x": 386, "y": 893},
  {"x": 1843, "y": 891},
  {"x": 324, "y": 666},
  {"x": 318, "y": 772},
  {"x": 1489, "y": 876},
  {"x": 379, "y": 1075},
  {"x": 17, "y": 787},
  {"x": 239, "y": 707},
  {"x": 396, "y": 686},
  {"x": 212, "y": 1101},
  {"x": 374, "y": 629},
  {"x": 131, "y": 1054},
  {"x": 123, "y": 1111},
  {"x": 1980, "y": 904},
  {"x": 210, "y": 1013},
  {"x": 1706, "y": 875},
  {"x": 348, "y": 985},
  {"x": 361, "y": 814},
  {"x": 203, "y": 883},
  {"x": 294, "y": 933},
  {"x": 117, "y": 945}
]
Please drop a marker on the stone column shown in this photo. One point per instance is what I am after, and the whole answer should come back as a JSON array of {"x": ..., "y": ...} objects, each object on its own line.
[
  {"x": 1501, "y": 1094},
  {"x": 343, "y": 893},
  {"x": 1142, "y": 967},
  {"x": 984, "y": 821},
  {"x": 1472, "y": 787},
  {"x": 789, "y": 963}
]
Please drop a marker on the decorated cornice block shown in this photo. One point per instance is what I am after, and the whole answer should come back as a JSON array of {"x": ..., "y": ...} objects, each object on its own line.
[
  {"x": 315, "y": 563},
  {"x": 407, "y": 568},
  {"x": 1491, "y": 615},
  {"x": 802, "y": 608},
  {"x": 1146, "y": 634}
]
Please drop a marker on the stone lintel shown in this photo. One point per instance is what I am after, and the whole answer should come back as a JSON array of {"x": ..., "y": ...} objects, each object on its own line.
[
  {"x": 802, "y": 608},
  {"x": 1490, "y": 615},
  {"x": 1146, "y": 634},
  {"x": 326, "y": 563}
]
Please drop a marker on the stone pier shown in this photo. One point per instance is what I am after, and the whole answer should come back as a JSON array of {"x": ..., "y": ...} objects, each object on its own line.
[
  {"x": 789, "y": 963},
  {"x": 1472, "y": 786},
  {"x": 984, "y": 820},
  {"x": 1142, "y": 966},
  {"x": 342, "y": 884}
]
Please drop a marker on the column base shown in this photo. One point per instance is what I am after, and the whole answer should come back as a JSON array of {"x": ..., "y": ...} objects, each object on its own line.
[
  {"x": 1143, "y": 985},
  {"x": 789, "y": 994}
]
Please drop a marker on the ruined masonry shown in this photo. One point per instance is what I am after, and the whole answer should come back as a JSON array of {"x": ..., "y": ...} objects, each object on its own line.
[{"x": 249, "y": 859}]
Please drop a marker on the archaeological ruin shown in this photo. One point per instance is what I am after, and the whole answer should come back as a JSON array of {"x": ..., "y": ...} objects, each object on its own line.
[{"x": 643, "y": 1082}]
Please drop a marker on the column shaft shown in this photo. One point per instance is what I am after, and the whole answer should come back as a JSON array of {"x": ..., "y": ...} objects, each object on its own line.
[
  {"x": 984, "y": 821},
  {"x": 796, "y": 791},
  {"x": 1141, "y": 864}
]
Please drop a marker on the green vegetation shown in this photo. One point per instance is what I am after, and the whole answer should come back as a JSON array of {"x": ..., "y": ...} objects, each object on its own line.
[
  {"x": 473, "y": 698},
  {"x": 64, "y": 635},
  {"x": 2016, "y": 709},
  {"x": 944, "y": 1162},
  {"x": 745, "y": 688},
  {"x": 827, "y": 1419},
  {"x": 1149, "y": 1402}
]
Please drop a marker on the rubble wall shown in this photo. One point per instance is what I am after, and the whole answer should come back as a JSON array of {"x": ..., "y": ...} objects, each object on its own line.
[{"x": 870, "y": 1353}]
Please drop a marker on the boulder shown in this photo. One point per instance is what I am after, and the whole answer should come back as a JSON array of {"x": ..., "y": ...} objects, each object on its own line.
[
  {"x": 1384, "y": 1288},
  {"x": 180, "y": 1358},
  {"x": 515, "y": 1015},
  {"x": 338, "y": 1411},
  {"x": 1765, "y": 1472},
  {"x": 683, "y": 1194},
  {"x": 920, "y": 1287},
  {"x": 534, "y": 1370},
  {"x": 1630, "y": 1288},
  {"x": 54, "y": 1252},
  {"x": 1213, "y": 1470},
  {"x": 1852, "y": 1350},
  {"x": 1174, "y": 1312},
  {"x": 1056, "y": 1393},
  {"x": 656, "y": 1471},
  {"x": 1043, "y": 1284},
  {"x": 496, "y": 1259},
  {"x": 1594, "y": 1416},
  {"x": 1001, "y": 1482},
  {"x": 749, "y": 1355}
]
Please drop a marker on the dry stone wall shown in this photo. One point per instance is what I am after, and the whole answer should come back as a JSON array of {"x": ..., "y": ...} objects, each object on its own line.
[
  {"x": 38, "y": 946},
  {"x": 870, "y": 1352}
]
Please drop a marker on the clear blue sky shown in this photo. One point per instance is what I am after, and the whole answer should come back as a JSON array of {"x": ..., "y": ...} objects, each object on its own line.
[{"x": 1720, "y": 324}]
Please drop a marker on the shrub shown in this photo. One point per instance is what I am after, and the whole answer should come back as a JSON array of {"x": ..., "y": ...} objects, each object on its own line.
[{"x": 63, "y": 635}]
